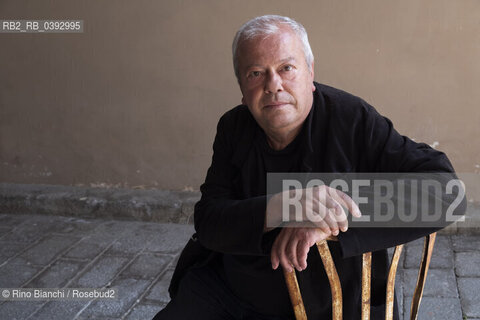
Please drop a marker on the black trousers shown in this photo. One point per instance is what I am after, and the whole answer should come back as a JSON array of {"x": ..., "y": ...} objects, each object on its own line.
[{"x": 202, "y": 295}]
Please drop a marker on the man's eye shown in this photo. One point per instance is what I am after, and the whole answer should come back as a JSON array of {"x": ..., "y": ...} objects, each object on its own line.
[
  {"x": 288, "y": 68},
  {"x": 255, "y": 73}
]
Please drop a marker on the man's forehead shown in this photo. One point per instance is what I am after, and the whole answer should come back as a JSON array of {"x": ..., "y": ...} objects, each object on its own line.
[{"x": 270, "y": 47}]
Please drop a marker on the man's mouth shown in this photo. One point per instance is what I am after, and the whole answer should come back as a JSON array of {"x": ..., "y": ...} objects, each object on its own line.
[{"x": 275, "y": 104}]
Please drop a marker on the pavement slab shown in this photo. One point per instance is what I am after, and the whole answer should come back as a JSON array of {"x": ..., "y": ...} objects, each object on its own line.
[
  {"x": 101, "y": 273},
  {"x": 159, "y": 292},
  {"x": 467, "y": 264},
  {"x": 4, "y": 230},
  {"x": 147, "y": 266},
  {"x": 9, "y": 249},
  {"x": 14, "y": 276},
  {"x": 464, "y": 242},
  {"x": 469, "y": 294},
  {"x": 128, "y": 292},
  {"x": 142, "y": 312},
  {"x": 441, "y": 259},
  {"x": 11, "y": 220},
  {"x": 170, "y": 238},
  {"x": 18, "y": 310},
  {"x": 47, "y": 249},
  {"x": 131, "y": 242},
  {"x": 57, "y": 275},
  {"x": 436, "y": 308},
  {"x": 86, "y": 249},
  {"x": 31, "y": 230},
  {"x": 59, "y": 310},
  {"x": 439, "y": 283}
]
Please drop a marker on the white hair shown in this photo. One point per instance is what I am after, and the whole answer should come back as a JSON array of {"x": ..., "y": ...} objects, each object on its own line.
[{"x": 265, "y": 26}]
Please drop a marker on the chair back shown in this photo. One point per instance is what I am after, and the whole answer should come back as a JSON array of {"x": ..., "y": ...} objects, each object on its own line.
[{"x": 336, "y": 289}]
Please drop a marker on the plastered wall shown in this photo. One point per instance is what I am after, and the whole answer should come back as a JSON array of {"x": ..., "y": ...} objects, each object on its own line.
[{"x": 134, "y": 100}]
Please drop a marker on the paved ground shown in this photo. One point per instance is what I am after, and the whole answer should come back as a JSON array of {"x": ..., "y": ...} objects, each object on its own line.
[{"x": 137, "y": 258}]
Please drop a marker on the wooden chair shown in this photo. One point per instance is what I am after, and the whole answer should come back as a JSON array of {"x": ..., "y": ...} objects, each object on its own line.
[{"x": 296, "y": 298}]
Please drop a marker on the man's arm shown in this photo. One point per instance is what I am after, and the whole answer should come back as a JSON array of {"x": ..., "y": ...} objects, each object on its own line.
[
  {"x": 388, "y": 151},
  {"x": 382, "y": 149},
  {"x": 223, "y": 222}
]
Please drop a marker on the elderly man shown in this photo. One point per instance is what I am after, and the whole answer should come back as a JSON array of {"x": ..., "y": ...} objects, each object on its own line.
[{"x": 286, "y": 123}]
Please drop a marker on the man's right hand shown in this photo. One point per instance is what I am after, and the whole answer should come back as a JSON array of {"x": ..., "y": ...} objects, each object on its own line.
[
  {"x": 320, "y": 207},
  {"x": 291, "y": 247}
]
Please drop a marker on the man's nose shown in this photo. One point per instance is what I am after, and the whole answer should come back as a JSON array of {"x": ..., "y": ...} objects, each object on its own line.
[{"x": 273, "y": 83}]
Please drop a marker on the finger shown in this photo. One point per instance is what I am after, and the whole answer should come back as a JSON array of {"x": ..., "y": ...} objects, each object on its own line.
[
  {"x": 322, "y": 225},
  {"x": 344, "y": 199},
  {"x": 343, "y": 225},
  {"x": 313, "y": 236},
  {"x": 330, "y": 221},
  {"x": 283, "y": 239},
  {"x": 320, "y": 212},
  {"x": 291, "y": 249},
  {"x": 302, "y": 248},
  {"x": 273, "y": 253},
  {"x": 284, "y": 261},
  {"x": 338, "y": 214},
  {"x": 330, "y": 206}
]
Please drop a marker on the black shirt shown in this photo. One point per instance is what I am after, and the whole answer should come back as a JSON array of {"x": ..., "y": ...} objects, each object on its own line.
[{"x": 252, "y": 278}]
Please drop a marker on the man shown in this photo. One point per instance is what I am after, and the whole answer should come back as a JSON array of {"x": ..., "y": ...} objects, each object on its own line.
[{"x": 287, "y": 123}]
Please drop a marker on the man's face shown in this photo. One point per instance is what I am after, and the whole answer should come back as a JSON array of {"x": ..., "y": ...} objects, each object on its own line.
[{"x": 275, "y": 81}]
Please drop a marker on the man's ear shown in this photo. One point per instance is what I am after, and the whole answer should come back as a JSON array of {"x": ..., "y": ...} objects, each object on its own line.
[{"x": 312, "y": 74}]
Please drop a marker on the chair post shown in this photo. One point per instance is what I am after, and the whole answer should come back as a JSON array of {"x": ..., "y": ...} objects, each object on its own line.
[
  {"x": 295, "y": 295},
  {"x": 335, "y": 287},
  {"x": 390, "y": 294},
  {"x": 366, "y": 284},
  {"x": 422, "y": 274}
]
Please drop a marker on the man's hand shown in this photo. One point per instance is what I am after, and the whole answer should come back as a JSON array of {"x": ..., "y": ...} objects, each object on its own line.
[
  {"x": 291, "y": 247},
  {"x": 320, "y": 207}
]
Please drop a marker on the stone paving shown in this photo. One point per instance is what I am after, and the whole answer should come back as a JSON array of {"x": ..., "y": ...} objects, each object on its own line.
[{"x": 138, "y": 258}]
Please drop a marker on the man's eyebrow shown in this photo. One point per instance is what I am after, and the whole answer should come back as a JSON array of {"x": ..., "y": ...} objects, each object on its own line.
[
  {"x": 287, "y": 60},
  {"x": 279, "y": 62},
  {"x": 250, "y": 66}
]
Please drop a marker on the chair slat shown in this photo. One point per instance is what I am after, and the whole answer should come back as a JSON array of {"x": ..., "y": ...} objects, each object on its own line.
[
  {"x": 366, "y": 284},
  {"x": 390, "y": 299},
  {"x": 422, "y": 274},
  {"x": 335, "y": 287},
  {"x": 295, "y": 295}
]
